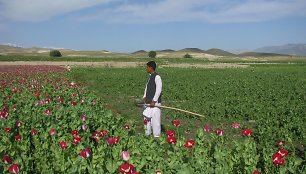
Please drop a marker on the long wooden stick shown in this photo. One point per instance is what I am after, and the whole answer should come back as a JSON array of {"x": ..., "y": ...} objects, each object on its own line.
[{"x": 176, "y": 109}]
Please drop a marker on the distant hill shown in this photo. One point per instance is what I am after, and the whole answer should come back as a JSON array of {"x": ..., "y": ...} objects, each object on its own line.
[
  {"x": 296, "y": 49},
  {"x": 9, "y": 48},
  {"x": 140, "y": 52},
  {"x": 192, "y": 50},
  {"x": 15, "y": 49},
  {"x": 166, "y": 51},
  {"x": 256, "y": 54},
  {"x": 219, "y": 52},
  {"x": 289, "y": 49}
]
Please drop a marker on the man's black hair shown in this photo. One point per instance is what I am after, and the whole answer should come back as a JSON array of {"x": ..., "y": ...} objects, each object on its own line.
[{"x": 152, "y": 64}]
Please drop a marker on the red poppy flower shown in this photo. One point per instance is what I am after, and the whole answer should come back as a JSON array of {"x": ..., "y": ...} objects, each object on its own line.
[
  {"x": 146, "y": 121},
  {"x": 37, "y": 94},
  {"x": 170, "y": 133},
  {"x": 247, "y": 132},
  {"x": 116, "y": 140},
  {"x": 207, "y": 128},
  {"x": 18, "y": 137},
  {"x": 6, "y": 159},
  {"x": 7, "y": 130},
  {"x": 171, "y": 140},
  {"x": 74, "y": 132},
  {"x": 76, "y": 140},
  {"x": 7, "y": 97},
  {"x": 85, "y": 153},
  {"x": 126, "y": 168},
  {"x": 73, "y": 103},
  {"x": 18, "y": 123},
  {"x": 189, "y": 144},
  {"x": 63, "y": 145},
  {"x": 13, "y": 168},
  {"x": 256, "y": 172},
  {"x": 219, "y": 132},
  {"x": 283, "y": 152},
  {"x": 47, "y": 112},
  {"x": 103, "y": 133},
  {"x": 95, "y": 136},
  {"x": 3, "y": 114},
  {"x": 34, "y": 132},
  {"x": 176, "y": 123},
  {"x": 127, "y": 127},
  {"x": 278, "y": 160},
  {"x": 280, "y": 143},
  {"x": 14, "y": 90}
]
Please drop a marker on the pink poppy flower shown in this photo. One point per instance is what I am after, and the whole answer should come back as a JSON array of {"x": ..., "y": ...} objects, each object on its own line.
[
  {"x": 52, "y": 131},
  {"x": 125, "y": 156},
  {"x": 236, "y": 125},
  {"x": 83, "y": 117}
]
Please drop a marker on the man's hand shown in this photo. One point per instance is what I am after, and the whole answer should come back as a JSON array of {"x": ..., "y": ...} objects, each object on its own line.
[
  {"x": 152, "y": 104},
  {"x": 144, "y": 100}
]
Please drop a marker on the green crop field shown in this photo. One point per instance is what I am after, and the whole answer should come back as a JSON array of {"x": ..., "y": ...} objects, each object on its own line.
[{"x": 269, "y": 99}]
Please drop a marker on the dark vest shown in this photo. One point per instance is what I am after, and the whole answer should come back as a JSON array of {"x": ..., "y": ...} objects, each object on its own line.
[{"x": 151, "y": 89}]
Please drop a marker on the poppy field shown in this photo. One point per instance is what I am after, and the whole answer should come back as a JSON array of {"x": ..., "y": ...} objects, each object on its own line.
[{"x": 53, "y": 122}]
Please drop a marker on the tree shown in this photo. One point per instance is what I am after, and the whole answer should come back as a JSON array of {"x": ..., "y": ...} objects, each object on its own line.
[
  {"x": 187, "y": 56},
  {"x": 55, "y": 53},
  {"x": 152, "y": 54}
]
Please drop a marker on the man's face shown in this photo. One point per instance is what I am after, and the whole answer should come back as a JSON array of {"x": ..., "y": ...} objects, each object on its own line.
[{"x": 149, "y": 69}]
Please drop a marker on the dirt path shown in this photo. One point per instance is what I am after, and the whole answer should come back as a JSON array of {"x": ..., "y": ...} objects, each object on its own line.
[{"x": 125, "y": 64}]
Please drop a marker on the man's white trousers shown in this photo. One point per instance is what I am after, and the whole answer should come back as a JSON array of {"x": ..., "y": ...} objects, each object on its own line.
[{"x": 152, "y": 115}]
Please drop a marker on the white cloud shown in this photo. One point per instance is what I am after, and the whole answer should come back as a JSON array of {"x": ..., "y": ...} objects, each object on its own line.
[
  {"x": 156, "y": 11},
  {"x": 40, "y": 10},
  {"x": 203, "y": 10}
]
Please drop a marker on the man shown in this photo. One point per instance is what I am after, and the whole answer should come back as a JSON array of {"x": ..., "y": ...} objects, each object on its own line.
[{"x": 152, "y": 96}]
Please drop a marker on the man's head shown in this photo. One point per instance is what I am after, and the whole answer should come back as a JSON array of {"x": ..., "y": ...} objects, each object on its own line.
[{"x": 151, "y": 66}]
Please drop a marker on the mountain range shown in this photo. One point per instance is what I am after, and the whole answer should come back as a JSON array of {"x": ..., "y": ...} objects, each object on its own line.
[
  {"x": 289, "y": 49},
  {"x": 283, "y": 50}
]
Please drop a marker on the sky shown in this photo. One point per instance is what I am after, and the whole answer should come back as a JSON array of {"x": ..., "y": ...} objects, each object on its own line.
[{"x": 132, "y": 25}]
